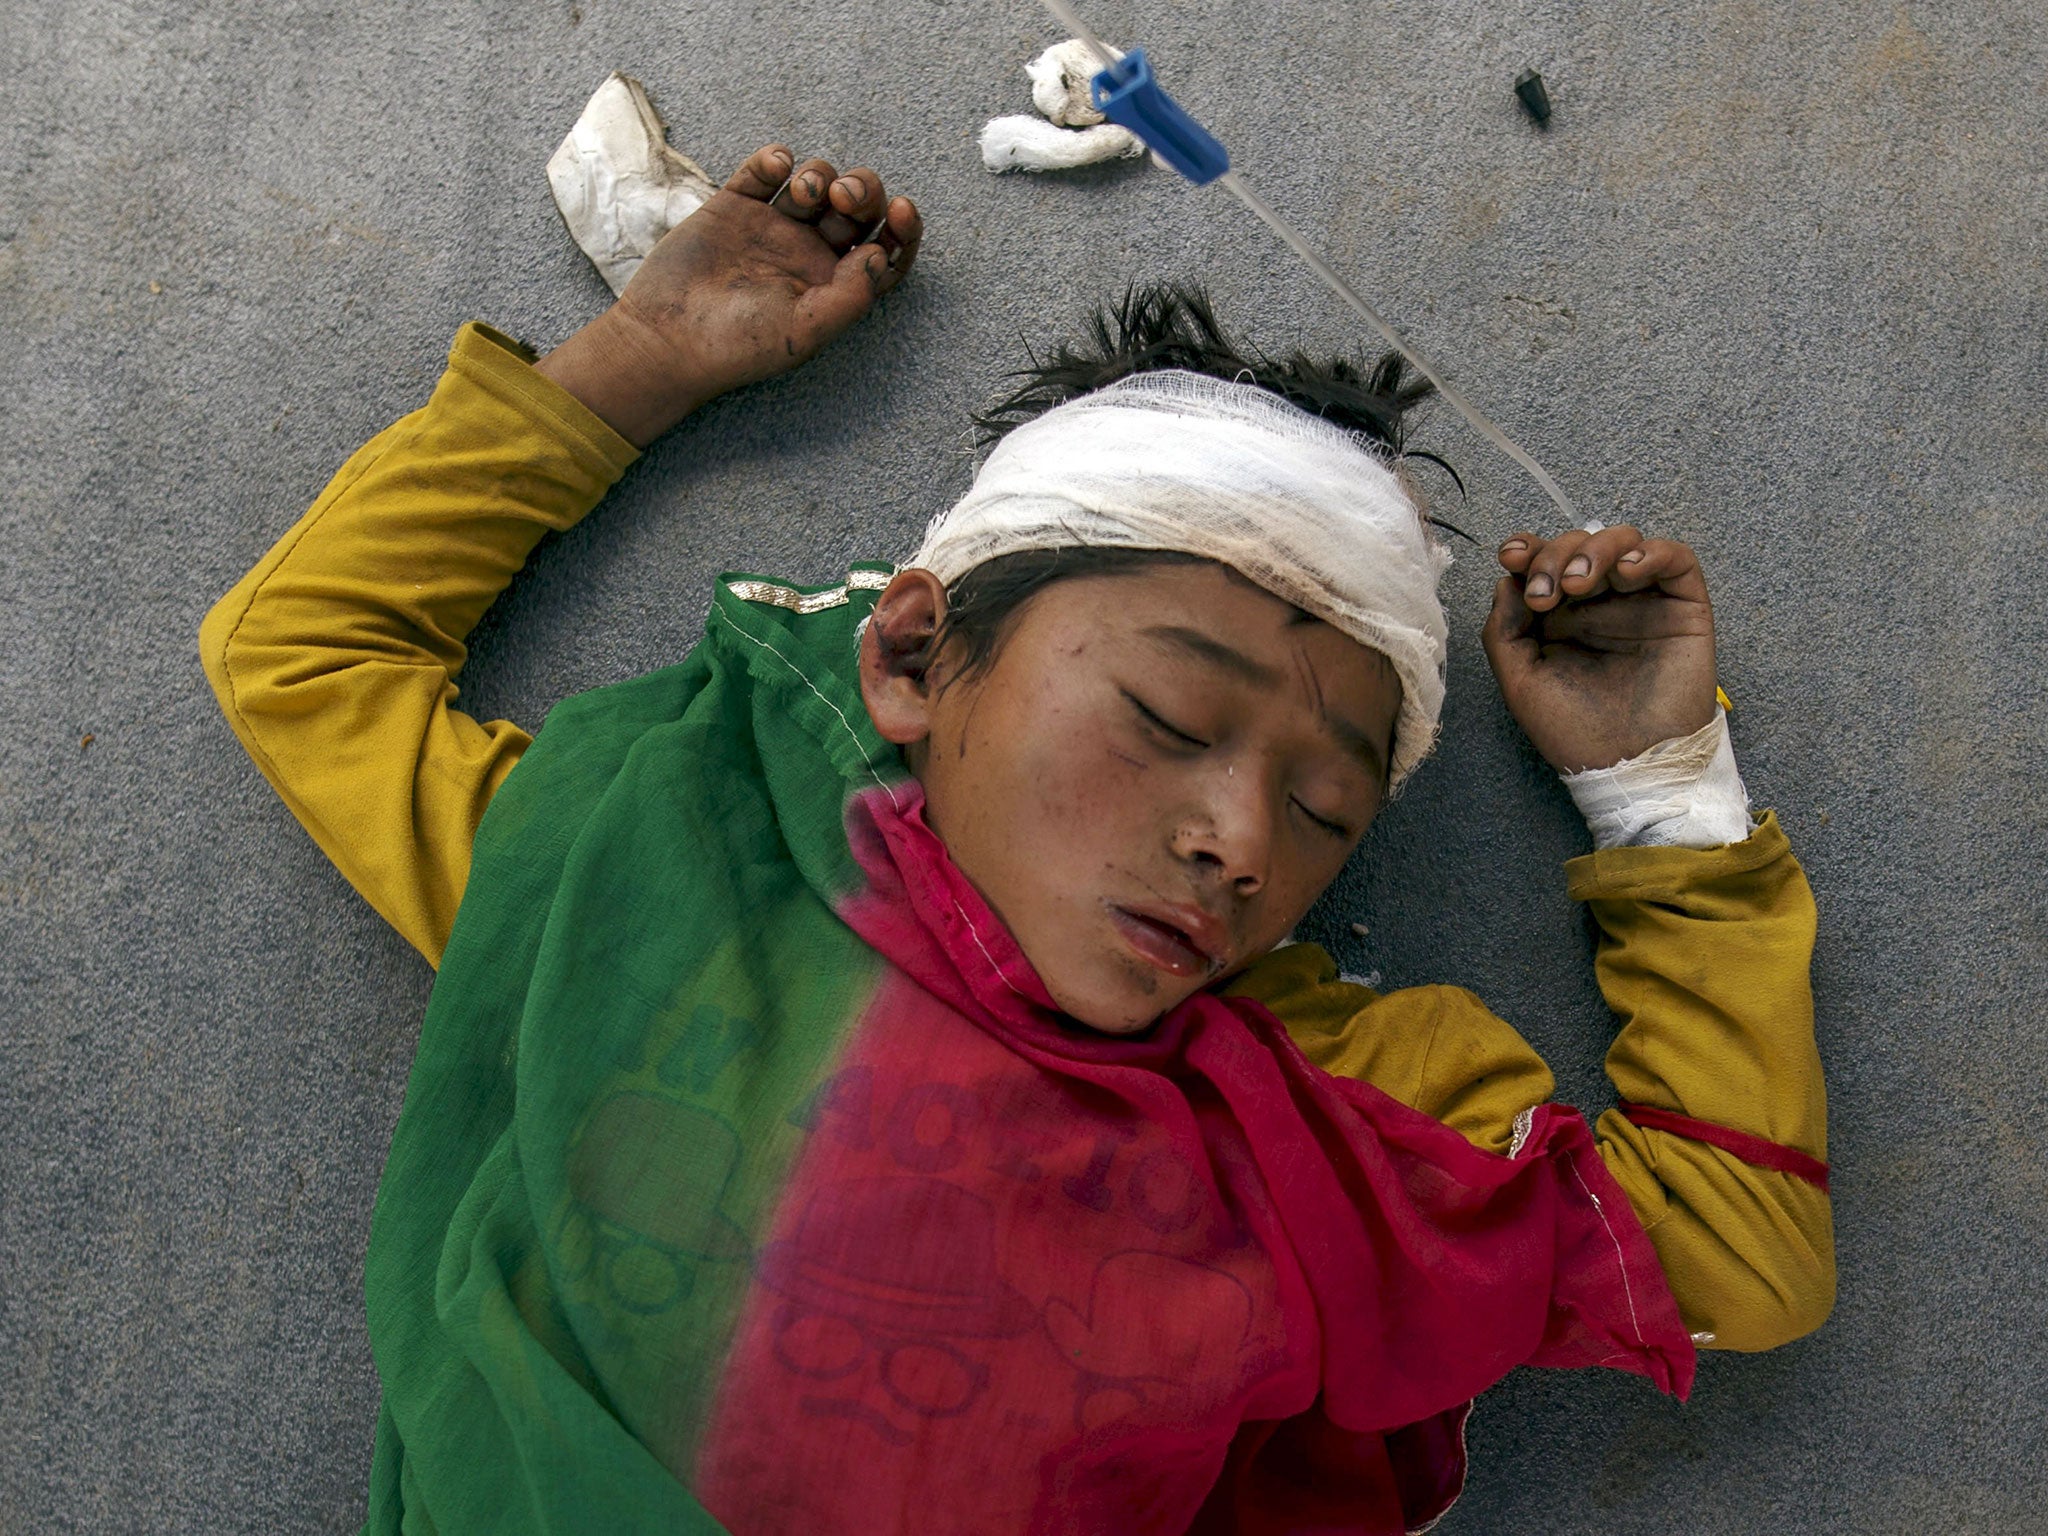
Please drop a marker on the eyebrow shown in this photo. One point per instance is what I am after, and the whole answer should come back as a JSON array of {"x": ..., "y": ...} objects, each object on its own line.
[
  {"x": 1360, "y": 746},
  {"x": 1217, "y": 654}
]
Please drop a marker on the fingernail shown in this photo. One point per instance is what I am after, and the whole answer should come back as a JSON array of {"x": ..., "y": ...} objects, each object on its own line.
[
  {"x": 1578, "y": 565},
  {"x": 1539, "y": 586},
  {"x": 780, "y": 158},
  {"x": 1514, "y": 544},
  {"x": 849, "y": 186},
  {"x": 811, "y": 185},
  {"x": 1632, "y": 557}
]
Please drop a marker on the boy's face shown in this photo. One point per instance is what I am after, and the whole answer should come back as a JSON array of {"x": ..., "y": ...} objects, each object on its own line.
[{"x": 1154, "y": 778}]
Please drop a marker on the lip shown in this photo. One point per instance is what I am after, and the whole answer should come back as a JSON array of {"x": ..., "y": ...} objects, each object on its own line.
[{"x": 1185, "y": 941}]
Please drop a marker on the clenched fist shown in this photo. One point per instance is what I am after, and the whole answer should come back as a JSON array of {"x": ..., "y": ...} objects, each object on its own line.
[
  {"x": 782, "y": 259},
  {"x": 1603, "y": 644}
]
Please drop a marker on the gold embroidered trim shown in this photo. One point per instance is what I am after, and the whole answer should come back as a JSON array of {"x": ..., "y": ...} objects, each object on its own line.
[
  {"x": 1524, "y": 1123},
  {"x": 779, "y": 596},
  {"x": 787, "y": 597}
]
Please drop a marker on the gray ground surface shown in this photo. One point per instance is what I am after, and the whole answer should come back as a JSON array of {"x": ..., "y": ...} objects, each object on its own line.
[{"x": 1772, "y": 282}]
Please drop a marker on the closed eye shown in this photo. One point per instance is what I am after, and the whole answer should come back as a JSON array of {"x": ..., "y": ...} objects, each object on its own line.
[
  {"x": 1324, "y": 822},
  {"x": 1179, "y": 736}
]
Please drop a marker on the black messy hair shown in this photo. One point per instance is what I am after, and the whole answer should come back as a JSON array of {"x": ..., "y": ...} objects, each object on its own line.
[
  {"x": 1173, "y": 325},
  {"x": 1156, "y": 326}
]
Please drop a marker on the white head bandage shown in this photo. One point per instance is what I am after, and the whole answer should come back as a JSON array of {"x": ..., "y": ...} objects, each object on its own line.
[{"x": 1181, "y": 461}]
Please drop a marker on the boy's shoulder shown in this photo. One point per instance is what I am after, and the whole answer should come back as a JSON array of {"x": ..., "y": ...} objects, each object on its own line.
[{"x": 1438, "y": 1049}]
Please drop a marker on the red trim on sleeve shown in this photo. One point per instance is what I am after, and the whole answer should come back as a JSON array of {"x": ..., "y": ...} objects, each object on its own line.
[{"x": 1751, "y": 1149}]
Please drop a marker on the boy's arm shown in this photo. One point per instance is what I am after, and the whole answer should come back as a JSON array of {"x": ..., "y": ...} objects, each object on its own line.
[
  {"x": 1721, "y": 1140},
  {"x": 1704, "y": 954},
  {"x": 334, "y": 659},
  {"x": 1603, "y": 643},
  {"x": 1436, "y": 1049}
]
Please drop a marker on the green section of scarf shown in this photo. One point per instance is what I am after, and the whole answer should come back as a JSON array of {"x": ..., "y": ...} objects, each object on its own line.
[{"x": 645, "y": 986}]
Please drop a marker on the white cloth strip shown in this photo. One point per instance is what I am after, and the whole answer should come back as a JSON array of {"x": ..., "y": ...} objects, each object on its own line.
[
  {"x": 619, "y": 183},
  {"x": 1025, "y": 143},
  {"x": 1060, "y": 79},
  {"x": 1073, "y": 134},
  {"x": 1682, "y": 793}
]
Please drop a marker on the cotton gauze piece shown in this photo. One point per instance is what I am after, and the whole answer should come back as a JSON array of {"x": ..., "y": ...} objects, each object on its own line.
[
  {"x": 1023, "y": 143},
  {"x": 1060, "y": 79},
  {"x": 1076, "y": 134},
  {"x": 1181, "y": 461},
  {"x": 619, "y": 184}
]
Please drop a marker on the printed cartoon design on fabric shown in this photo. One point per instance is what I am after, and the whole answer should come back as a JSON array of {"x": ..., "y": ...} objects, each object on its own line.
[
  {"x": 1125, "y": 1373},
  {"x": 872, "y": 1319},
  {"x": 976, "y": 1266},
  {"x": 648, "y": 1173},
  {"x": 697, "y": 1105},
  {"x": 644, "y": 1233},
  {"x": 703, "y": 1051}
]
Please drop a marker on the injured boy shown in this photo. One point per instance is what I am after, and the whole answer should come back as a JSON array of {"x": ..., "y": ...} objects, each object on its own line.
[{"x": 869, "y": 1087}]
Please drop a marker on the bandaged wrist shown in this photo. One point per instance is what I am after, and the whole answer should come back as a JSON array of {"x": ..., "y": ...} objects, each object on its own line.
[{"x": 1682, "y": 793}]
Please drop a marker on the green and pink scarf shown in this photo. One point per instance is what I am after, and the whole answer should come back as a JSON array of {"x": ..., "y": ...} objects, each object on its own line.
[{"x": 748, "y": 1181}]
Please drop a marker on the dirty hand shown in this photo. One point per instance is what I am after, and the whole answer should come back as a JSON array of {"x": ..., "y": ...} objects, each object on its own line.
[
  {"x": 1603, "y": 644},
  {"x": 748, "y": 286}
]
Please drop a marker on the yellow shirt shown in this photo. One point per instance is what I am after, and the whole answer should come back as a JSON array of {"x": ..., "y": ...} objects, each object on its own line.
[{"x": 334, "y": 661}]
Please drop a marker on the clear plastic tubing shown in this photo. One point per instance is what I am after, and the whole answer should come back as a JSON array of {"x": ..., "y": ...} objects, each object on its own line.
[{"x": 1280, "y": 226}]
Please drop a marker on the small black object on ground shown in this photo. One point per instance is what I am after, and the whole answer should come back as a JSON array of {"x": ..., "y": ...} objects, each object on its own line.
[{"x": 1529, "y": 86}]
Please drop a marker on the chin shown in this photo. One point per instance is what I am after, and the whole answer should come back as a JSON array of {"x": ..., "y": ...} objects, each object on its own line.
[
  {"x": 1116, "y": 1026},
  {"x": 1130, "y": 1014}
]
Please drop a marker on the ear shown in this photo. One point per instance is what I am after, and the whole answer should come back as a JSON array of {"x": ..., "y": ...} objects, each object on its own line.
[{"x": 896, "y": 656}]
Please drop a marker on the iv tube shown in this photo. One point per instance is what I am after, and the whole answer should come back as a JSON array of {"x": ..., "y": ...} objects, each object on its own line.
[
  {"x": 1063, "y": 13},
  {"x": 1274, "y": 220},
  {"x": 1464, "y": 407}
]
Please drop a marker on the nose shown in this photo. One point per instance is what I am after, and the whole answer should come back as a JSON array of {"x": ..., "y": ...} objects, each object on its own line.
[{"x": 1228, "y": 834}]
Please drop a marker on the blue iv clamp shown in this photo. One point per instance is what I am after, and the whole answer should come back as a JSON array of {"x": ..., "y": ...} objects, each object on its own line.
[{"x": 1128, "y": 96}]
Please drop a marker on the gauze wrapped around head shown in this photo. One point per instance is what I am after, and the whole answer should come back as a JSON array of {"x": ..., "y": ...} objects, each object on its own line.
[{"x": 1176, "y": 460}]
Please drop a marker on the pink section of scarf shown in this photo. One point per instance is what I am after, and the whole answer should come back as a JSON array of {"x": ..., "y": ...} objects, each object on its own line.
[{"x": 1030, "y": 1277}]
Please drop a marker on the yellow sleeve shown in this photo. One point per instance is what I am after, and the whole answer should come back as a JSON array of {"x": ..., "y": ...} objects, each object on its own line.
[
  {"x": 334, "y": 658},
  {"x": 1436, "y": 1049},
  {"x": 1706, "y": 956}
]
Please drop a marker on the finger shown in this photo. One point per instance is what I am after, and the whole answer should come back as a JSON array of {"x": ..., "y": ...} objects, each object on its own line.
[
  {"x": 1518, "y": 550},
  {"x": 862, "y": 275},
  {"x": 858, "y": 195},
  {"x": 1666, "y": 564},
  {"x": 898, "y": 232},
  {"x": 805, "y": 198},
  {"x": 763, "y": 174},
  {"x": 854, "y": 205},
  {"x": 838, "y": 231},
  {"x": 901, "y": 233},
  {"x": 1509, "y": 635},
  {"x": 1585, "y": 573},
  {"x": 1541, "y": 575}
]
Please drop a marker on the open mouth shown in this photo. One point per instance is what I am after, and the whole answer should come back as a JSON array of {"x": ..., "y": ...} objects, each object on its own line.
[{"x": 1172, "y": 948}]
